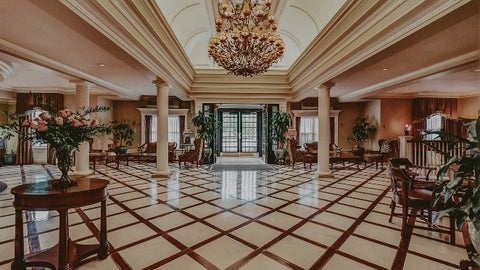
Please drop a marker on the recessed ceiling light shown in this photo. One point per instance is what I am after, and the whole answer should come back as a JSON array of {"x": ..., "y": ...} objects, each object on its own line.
[
  {"x": 102, "y": 65},
  {"x": 384, "y": 69}
]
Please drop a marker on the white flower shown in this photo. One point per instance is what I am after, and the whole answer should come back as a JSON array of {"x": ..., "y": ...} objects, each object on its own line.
[{"x": 59, "y": 120}]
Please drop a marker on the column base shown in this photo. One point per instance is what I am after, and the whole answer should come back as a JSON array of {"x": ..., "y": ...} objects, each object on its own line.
[
  {"x": 162, "y": 174},
  {"x": 80, "y": 174},
  {"x": 323, "y": 174}
]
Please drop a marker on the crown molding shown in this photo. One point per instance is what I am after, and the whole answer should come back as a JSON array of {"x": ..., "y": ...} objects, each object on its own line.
[
  {"x": 6, "y": 68},
  {"x": 142, "y": 31},
  {"x": 471, "y": 57},
  {"x": 41, "y": 60},
  {"x": 360, "y": 30}
]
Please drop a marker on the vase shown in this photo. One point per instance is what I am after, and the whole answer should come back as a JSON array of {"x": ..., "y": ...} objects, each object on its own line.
[{"x": 64, "y": 163}]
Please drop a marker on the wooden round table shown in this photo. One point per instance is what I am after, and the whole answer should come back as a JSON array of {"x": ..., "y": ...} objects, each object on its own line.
[{"x": 41, "y": 196}]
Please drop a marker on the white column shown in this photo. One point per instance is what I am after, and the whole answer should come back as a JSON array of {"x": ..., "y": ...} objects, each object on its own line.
[
  {"x": 324, "y": 130},
  {"x": 82, "y": 100},
  {"x": 405, "y": 147},
  {"x": 162, "y": 130}
]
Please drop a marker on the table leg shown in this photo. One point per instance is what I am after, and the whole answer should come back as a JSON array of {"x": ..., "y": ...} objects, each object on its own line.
[
  {"x": 63, "y": 237},
  {"x": 103, "y": 250},
  {"x": 19, "y": 260}
]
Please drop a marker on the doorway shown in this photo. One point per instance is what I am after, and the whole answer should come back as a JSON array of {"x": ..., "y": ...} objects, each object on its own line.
[{"x": 241, "y": 131}]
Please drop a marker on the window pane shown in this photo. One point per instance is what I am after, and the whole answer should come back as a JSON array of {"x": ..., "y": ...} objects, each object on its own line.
[
  {"x": 308, "y": 129},
  {"x": 173, "y": 129}
]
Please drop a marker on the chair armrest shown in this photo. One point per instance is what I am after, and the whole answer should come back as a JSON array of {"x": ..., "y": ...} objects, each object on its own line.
[{"x": 141, "y": 148}]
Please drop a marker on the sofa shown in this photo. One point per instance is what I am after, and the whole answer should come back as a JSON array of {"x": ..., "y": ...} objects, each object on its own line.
[{"x": 151, "y": 147}]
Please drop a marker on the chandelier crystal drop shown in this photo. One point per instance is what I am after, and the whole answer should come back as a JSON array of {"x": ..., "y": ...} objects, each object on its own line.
[{"x": 246, "y": 42}]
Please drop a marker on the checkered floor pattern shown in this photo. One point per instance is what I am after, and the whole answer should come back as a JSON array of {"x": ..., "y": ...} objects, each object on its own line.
[{"x": 199, "y": 219}]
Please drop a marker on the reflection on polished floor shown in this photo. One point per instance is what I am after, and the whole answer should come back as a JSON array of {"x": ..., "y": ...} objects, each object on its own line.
[{"x": 199, "y": 219}]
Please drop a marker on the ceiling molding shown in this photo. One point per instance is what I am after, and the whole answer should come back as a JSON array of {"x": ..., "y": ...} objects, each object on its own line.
[
  {"x": 41, "y": 60},
  {"x": 6, "y": 68},
  {"x": 141, "y": 30},
  {"x": 471, "y": 57},
  {"x": 361, "y": 30}
]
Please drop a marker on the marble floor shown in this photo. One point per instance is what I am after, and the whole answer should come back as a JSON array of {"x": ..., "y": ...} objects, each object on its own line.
[{"x": 199, "y": 219}]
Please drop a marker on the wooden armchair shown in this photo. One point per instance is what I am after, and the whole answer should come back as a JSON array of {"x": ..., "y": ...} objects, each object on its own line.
[
  {"x": 296, "y": 155},
  {"x": 389, "y": 148},
  {"x": 414, "y": 200},
  {"x": 192, "y": 156}
]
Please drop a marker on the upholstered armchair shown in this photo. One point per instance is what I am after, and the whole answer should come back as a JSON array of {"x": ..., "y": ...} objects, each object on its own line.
[
  {"x": 296, "y": 155},
  {"x": 151, "y": 147},
  {"x": 192, "y": 156}
]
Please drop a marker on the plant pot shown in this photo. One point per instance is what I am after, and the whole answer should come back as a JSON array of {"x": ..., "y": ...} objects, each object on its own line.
[
  {"x": 475, "y": 239},
  {"x": 207, "y": 152},
  {"x": 120, "y": 150},
  {"x": 9, "y": 159},
  {"x": 358, "y": 151},
  {"x": 281, "y": 154}
]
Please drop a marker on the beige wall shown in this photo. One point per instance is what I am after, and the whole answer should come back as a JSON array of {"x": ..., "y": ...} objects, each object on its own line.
[
  {"x": 350, "y": 112},
  {"x": 469, "y": 107},
  {"x": 395, "y": 114},
  {"x": 128, "y": 110}
]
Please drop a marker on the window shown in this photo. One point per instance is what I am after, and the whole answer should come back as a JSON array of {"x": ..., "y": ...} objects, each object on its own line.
[
  {"x": 308, "y": 129},
  {"x": 433, "y": 122},
  {"x": 173, "y": 129}
]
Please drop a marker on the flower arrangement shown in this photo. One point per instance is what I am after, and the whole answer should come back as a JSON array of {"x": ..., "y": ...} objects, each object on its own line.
[{"x": 65, "y": 131}]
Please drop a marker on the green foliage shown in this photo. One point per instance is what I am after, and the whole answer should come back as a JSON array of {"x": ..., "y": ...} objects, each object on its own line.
[
  {"x": 279, "y": 126},
  {"x": 122, "y": 133},
  {"x": 66, "y": 130},
  {"x": 466, "y": 166},
  {"x": 11, "y": 126},
  {"x": 207, "y": 125},
  {"x": 362, "y": 129}
]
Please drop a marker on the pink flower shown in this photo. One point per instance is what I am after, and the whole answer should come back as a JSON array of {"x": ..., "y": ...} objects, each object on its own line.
[
  {"x": 65, "y": 113},
  {"x": 94, "y": 122},
  {"x": 42, "y": 127},
  {"x": 26, "y": 123},
  {"x": 76, "y": 123},
  {"x": 45, "y": 116}
]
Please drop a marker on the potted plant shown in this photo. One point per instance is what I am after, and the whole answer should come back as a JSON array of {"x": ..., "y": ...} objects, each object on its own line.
[
  {"x": 465, "y": 183},
  {"x": 10, "y": 157},
  {"x": 123, "y": 135},
  {"x": 206, "y": 124},
  {"x": 278, "y": 128},
  {"x": 7, "y": 131},
  {"x": 362, "y": 129}
]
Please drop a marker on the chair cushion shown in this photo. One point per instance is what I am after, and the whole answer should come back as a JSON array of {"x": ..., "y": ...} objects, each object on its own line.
[{"x": 385, "y": 147}]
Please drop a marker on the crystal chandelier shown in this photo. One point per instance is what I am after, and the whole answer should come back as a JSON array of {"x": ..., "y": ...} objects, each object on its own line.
[{"x": 246, "y": 42}]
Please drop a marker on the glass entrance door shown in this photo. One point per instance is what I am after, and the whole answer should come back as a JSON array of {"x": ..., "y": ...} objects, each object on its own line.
[{"x": 239, "y": 131}]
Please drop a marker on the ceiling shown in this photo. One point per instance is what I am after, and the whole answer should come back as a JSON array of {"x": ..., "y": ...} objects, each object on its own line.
[{"x": 369, "y": 49}]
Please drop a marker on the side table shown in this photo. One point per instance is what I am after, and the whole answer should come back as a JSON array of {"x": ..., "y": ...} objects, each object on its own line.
[{"x": 41, "y": 196}]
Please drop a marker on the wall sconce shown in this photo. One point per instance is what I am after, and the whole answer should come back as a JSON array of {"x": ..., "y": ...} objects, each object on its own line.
[{"x": 407, "y": 129}]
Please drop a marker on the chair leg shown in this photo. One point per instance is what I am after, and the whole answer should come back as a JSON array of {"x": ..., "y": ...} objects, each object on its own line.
[
  {"x": 404, "y": 219},
  {"x": 452, "y": 230},
  {"x": 392, "y": 207}
]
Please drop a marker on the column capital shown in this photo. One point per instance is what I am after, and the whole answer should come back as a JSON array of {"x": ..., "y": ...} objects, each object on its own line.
[
  {"x": 159, "y": 82},
  {"x": 328, "y": 85},
  {"x": 81, "y": 82}
]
